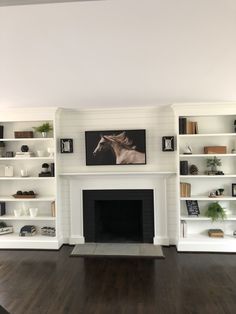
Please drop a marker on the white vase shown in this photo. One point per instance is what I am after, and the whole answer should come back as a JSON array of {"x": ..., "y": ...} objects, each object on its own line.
[
  {"x": 44, "y": 134},
  {"x": 33, "y": 212}
]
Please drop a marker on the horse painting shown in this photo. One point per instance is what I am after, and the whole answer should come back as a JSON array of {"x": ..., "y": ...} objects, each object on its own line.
[{"x": 122, "y": 147}]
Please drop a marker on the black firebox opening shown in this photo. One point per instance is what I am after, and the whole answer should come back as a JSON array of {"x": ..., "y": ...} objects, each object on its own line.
[
  {"x": 118, "y": 216},
  {"x": 118, "y": 221}
]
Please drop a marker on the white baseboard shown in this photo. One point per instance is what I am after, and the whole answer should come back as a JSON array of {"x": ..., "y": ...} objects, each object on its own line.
[
  {"x": 76, "y": 240},
  {"x": 161, "y": 241}
]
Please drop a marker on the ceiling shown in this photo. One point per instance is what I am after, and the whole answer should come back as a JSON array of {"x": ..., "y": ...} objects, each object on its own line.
[{"x": 25, "y": 2}]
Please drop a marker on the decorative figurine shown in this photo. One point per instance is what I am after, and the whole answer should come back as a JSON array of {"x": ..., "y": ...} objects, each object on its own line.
[{"x": 188, "y": 150}]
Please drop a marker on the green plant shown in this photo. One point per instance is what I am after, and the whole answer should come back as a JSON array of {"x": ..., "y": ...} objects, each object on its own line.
[
  {"x": 45, "y": 127},
  {"x": 2, "y": 224},
  {"x": 215, "y": 211},
  {"x": 213, "y": 163}
]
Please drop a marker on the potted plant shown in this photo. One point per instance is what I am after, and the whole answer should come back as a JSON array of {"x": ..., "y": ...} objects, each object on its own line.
[
  {"x": 215, "y": 211},
  {"x": 213, "y": 163},
  {"x": 44, "y": 129}
]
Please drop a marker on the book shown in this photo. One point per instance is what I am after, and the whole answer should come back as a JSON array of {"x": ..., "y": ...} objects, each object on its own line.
[
  {"x": 183, "y": 229},
  {"x": 53, "y": 209},
  {"x": 185, "y": 189},
  {"x": 182, "y": 125}
]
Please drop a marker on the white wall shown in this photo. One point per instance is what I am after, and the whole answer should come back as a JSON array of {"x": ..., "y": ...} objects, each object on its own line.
[
  {"x": 117, "y": 53},
  {"x": 157, "y": 122}
]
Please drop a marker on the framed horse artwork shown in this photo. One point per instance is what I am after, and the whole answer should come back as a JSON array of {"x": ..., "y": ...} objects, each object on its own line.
[{"x": 119, "y": 147}]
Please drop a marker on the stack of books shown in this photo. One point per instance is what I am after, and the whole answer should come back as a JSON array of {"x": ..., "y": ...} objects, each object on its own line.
[
  {"x": 24, "y": 154},
  {"x": 187, "y": 127},
  {"x": 185, "y": 189}
]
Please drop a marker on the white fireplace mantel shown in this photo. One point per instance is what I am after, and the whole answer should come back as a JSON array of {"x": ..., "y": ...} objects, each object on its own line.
[
  {"x": 79, "y": 181},
  {"x": 156, "y": 173}
]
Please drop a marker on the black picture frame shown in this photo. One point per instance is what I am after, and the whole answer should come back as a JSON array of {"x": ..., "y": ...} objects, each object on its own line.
[
  {"x": 66, "y": 145},
  {"x": 133, "y": 142},
  {"x": 168, "y": 143},
  {"x": 192, "y": 208},
  {"x": 234, "y": 189}
]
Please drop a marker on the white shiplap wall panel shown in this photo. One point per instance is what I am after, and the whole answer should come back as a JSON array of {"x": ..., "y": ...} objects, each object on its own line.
[{"x": 158, "y": 122}]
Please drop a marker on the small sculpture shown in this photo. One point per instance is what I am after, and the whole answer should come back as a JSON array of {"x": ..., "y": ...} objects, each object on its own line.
[
  {"x": 188, "y": 150},
  {"x": 212, "y": 194},
  {"x": 193, "y": 170}
]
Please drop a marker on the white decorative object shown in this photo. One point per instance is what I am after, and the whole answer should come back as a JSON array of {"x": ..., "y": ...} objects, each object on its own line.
[
  {"x": 2, "y": 170},
  {"x": 50, "y": 152},
  {"x": 188, "y": 150},
  {"x": 17, "y": 212},
  {"x": 24, "y": 172},
  {"x": 33, "y": 212},
  {"x": 40, "y": 153},
  {"x": 8, "y": 171}
]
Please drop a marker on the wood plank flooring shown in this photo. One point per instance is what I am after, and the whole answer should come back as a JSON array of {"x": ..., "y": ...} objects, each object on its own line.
[{"x": 51, "y": 282}]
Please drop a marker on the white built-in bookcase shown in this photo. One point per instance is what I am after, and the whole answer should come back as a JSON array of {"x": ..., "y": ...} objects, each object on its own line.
[
  {"x": 44, "y": 187},
  {"x": 215, "y": 128}
]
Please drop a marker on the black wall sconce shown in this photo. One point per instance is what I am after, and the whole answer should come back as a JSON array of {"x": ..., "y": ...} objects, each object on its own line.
[
  {"x": 168, "y": 144},
  {"x": 66, "y": 145}
]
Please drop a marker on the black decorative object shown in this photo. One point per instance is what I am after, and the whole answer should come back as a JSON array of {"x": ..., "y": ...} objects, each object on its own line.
[
  {"x": 192, "y": 208},
  {"x": 2, "y": 208},
  {"x": 52, "y": 166},
  {"x": 193, "y": 170},
  {"x": 234, "y": 189},
  {"x": 45, "y": 171},
  {"x": 182, "y": 125},
  {"x": 24, "y": 148},
  {"x": 66, "y": 145},
  {"x": 118, "y": 147},
  {"x": 9, "y": 154},
  {"x": 235, "y": 126},
  {"x": 168, "y": 143},
  {"x": 1, "y": 131},
  {"x": 183, "y": 167}
]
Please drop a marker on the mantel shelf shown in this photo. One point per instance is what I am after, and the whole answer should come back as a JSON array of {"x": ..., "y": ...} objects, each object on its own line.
[{"x": 143, "y": 173}]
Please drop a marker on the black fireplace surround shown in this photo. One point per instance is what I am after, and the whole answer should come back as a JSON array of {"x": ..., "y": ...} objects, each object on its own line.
[{"x": 118, "y": 216}]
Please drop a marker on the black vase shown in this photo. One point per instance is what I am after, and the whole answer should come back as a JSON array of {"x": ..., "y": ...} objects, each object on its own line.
[
  {"x": 24, "y": 148},
  {"x": 184, "y": 167}
]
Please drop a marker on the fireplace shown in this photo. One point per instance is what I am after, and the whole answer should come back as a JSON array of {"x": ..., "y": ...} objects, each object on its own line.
[{"x": 118, "y": 216}]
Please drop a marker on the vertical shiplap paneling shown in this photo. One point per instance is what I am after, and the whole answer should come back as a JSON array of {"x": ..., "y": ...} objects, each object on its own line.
[{"x": 158, "y": 122}]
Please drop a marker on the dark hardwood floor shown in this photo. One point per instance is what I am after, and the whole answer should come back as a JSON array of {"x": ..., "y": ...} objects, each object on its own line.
[{"x": 35, "y": 282}]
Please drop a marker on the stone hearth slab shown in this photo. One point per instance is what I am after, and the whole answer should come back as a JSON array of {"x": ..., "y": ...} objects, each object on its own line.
[{"x": 118, "y": 249}]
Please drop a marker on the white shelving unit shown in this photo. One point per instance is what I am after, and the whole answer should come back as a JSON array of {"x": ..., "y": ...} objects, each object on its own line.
[
  {"x": 45, "y": 188},
  {"x": 215, "y": 128}
]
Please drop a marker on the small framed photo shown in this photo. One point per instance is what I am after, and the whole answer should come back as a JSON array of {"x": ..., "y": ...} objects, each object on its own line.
[
  {"x": 66, "y": 145},
  {"x": 234, "y": 189},
  {"x": 168, "y": 143}
]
